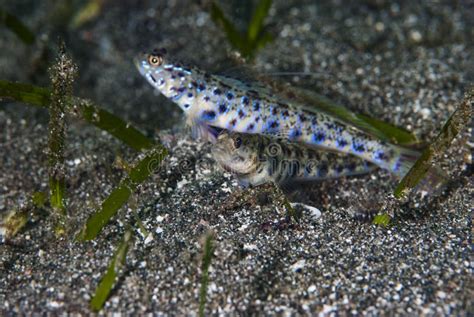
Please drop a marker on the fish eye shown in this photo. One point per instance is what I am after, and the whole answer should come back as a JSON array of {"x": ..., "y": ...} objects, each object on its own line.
[
  {"x": 155, "y": 60},
  {"x": 237, "y": 142}
]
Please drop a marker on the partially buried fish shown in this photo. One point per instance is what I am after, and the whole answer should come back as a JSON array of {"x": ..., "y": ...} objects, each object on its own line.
[
  {"x": 257, "y": 159},
  {"x": 212, "y": 103}
]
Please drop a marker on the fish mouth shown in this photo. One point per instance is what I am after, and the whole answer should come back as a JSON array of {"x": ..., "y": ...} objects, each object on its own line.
[
  {"x": 227, "y": 168},
  {"x": 138, "y": 60},
  {"x": 219, "y": 151},
  {"x": 235, "y": 172}
]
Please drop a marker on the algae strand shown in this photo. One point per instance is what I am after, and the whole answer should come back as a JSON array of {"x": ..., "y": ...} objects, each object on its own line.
[
  {"x": 62, "y": 74},
  {"x": 208, "y": 249},
  {"x": 458, "y": 121},
  {"x": 116, "y": 264}
]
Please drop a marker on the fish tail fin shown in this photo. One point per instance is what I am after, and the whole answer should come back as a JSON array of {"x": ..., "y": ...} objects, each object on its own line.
[
  {"x": 406, "y": 158},
  {"x": 435, "y": 178},
  {"x": 434, "y": 182}
]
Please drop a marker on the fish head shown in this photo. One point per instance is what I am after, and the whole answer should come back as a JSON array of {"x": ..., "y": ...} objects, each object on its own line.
[
  {"x": 236, "y": 153},
  {"x": 151, "y": 62},
  {"x": 162, "y": 73}
]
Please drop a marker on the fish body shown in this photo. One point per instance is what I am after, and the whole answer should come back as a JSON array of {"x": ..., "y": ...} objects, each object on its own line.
[
  {"x": 257, "y": 159},
  {"x": 212, "y": 103}
]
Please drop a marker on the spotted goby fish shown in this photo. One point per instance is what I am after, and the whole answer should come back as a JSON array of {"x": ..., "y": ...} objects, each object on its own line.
[
  {"x": 212, "y": 103},
  {"x": 257, "y": 159}
]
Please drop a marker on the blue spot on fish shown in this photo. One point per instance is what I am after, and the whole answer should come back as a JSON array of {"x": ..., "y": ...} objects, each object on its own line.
[
  {"x": 177, "y": 96},
  {"x": 272, "y": 125},
  {"x": 230, "y": 96},
  {"x": 208, "y": 115},
  {"x": 295, "y": 133},
  {"x": 319, "y": 137},
  {"x": 256, "y": 105},
  {"x": 380, "y": 156},
  {"x": 341, "y": 143},
  {"x": 222, "y": 108},
  {"x": 357, "y": 147},
  {"x": 396, "y": 166},
  {"x": 245, "y": 100},
  {"x": 200, "y": 87}
]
